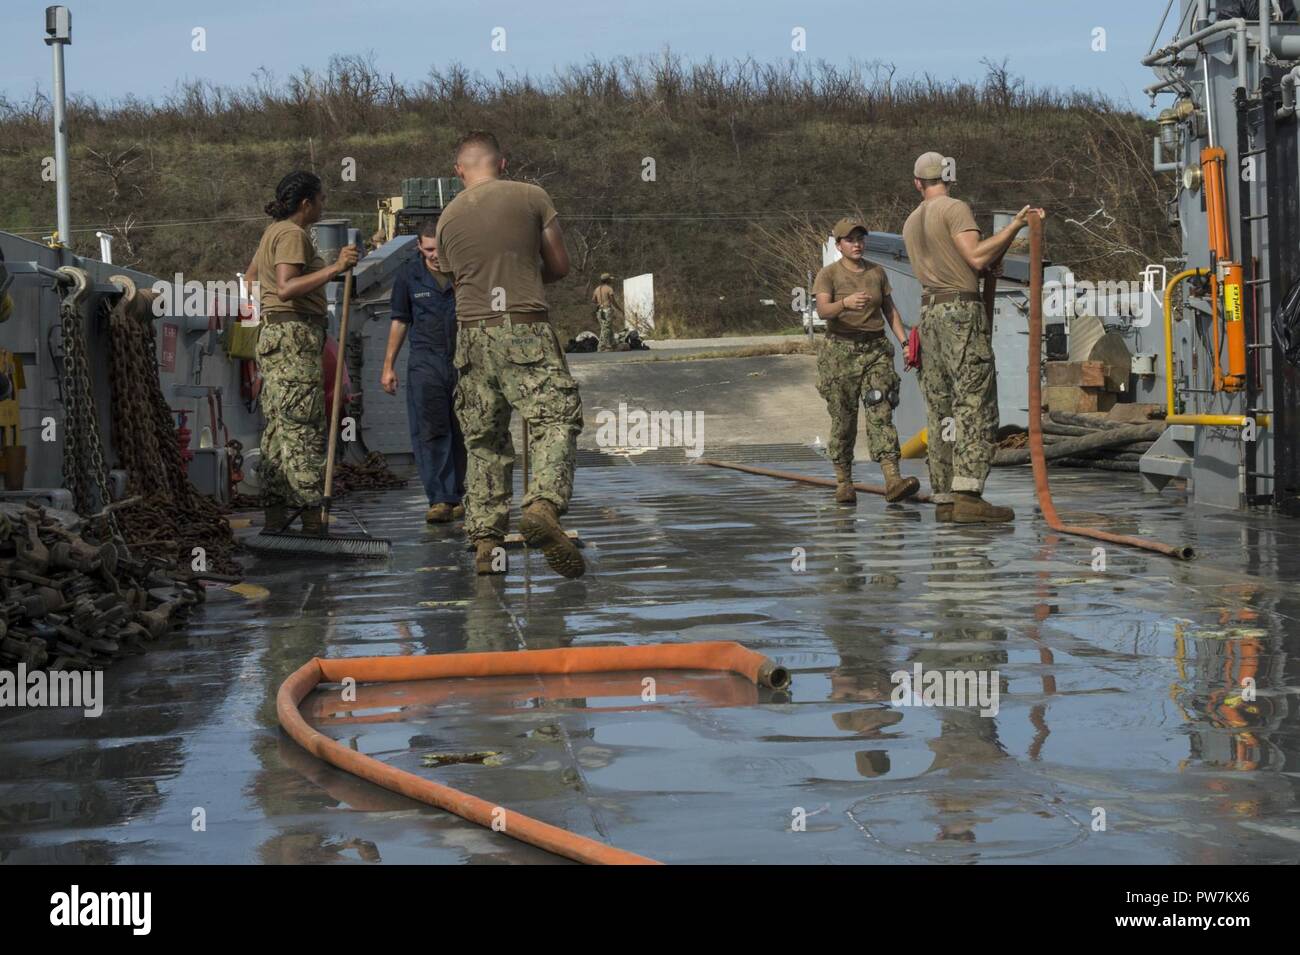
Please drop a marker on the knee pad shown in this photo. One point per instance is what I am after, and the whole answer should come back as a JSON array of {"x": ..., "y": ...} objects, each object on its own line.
[{"x": 875, "y": 396}]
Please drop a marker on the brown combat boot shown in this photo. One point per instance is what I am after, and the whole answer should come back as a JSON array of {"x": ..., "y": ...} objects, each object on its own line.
[
  {"x": 438, "y": 514},
  {"x": 540, "y": 527},
  {"x": 274, "y": 517},
  {"x": 311, "y": 521},
  {"x": 489, "y": 556},
  {"x": 845, "y": 492},
  {"x": 943, "y": 513},
  {"x": 897, "y": 487},
  {"x": 458, "y": 512},
  {"x": 969, "y": 508}
]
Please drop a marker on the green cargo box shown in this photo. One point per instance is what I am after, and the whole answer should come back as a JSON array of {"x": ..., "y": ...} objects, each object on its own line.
[{"x": 429, "y": 193}]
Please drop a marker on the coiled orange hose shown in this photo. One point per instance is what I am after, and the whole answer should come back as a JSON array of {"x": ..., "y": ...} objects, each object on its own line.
[{"x": 722, "y": 656}]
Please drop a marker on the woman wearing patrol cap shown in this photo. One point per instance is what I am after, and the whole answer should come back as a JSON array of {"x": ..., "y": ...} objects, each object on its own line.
[{"x": 856, "y": 361}]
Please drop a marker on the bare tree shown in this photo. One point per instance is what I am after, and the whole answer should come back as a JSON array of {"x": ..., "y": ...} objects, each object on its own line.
[
  {"x": 589, "y": 241},
  {"x": 116, "y": 167}
]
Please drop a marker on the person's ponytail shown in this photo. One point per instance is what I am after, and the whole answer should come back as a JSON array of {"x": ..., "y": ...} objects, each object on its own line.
[{"x": 290, "y": 193}]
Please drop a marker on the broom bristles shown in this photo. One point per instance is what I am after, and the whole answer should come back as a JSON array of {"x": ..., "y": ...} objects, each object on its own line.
[{"x": 302, "y": 545}]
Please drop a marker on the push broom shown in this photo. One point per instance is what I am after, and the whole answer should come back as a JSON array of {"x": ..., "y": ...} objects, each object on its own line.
[{"x": 326, "y": 544}]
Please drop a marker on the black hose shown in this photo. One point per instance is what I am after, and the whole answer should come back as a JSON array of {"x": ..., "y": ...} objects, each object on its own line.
[
  {"x": 1106, "y": 456},
  {"x": 1093, "y": 424},
  {"x": 1099, "y": 464},
  {"x": 1074, "y": 431},
  {"x": 1073, "y": 446}
]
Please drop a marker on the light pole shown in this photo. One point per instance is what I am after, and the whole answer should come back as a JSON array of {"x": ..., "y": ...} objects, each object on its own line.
[{"x": 58, "y": 33}]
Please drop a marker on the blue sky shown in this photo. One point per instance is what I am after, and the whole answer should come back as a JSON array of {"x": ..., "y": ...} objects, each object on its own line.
[{"x": 143, "y": 47}]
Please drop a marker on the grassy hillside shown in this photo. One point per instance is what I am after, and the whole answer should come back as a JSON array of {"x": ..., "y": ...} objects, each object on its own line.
[{"x": 752, "y": 162}]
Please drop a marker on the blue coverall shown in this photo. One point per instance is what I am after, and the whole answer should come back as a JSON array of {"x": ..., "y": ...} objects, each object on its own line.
[{"x": 429, "y": 310}]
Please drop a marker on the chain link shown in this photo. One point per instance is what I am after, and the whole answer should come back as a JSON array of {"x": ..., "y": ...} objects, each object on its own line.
[
  {"x": 83, "y": 455},
  {"x": 172, "y": 518}
]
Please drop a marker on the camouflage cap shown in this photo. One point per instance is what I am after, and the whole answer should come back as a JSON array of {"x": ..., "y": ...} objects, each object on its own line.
[
  {"x": 606, "y": 277},
  {"x": 929, "y": 166},
  {"x": 845, "y": 227}
]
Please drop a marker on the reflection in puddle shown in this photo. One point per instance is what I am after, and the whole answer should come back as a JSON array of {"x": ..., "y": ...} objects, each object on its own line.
[{"x": 1163, "y": 694}]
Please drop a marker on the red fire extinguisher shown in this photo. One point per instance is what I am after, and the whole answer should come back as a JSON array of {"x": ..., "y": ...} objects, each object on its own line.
[{"x": 183, "y": 434}]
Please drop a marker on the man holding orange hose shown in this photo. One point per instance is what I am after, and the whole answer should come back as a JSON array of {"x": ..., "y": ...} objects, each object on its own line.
[{"x": 958, "y": 378}]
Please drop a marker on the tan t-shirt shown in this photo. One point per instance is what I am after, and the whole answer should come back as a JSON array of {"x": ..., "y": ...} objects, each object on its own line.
[
  {"x": 929, "y": 234},
  {"x": 288, "y": 243},
  {"x": 839, "y": 281},
  {"x": 490, "y": 240}
]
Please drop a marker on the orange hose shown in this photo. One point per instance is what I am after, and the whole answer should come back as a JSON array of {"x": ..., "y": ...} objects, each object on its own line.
[
  {"x": 1182, "y": 552},
  {"x": 730, "y": 657},
  {"x": 395, "y": 699},
  {"x": 807, "y": 479}
]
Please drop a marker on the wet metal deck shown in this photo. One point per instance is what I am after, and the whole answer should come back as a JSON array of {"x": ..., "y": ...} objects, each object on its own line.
[{"x": 1119, "y": 692}]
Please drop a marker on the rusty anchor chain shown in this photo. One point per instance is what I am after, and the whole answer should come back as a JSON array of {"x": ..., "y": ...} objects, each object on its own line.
[
  {"x": 172, "y": 518},
  {"x": 85, "y": 474}
]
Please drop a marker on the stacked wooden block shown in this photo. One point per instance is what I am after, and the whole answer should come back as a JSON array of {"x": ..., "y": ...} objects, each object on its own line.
[{"x": 1079, "y": 387}]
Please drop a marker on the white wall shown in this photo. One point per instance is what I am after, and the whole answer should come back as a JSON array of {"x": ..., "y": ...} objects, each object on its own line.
[
  {"x": 830, "y": 251},
  {"x": 639, "y": 301}
]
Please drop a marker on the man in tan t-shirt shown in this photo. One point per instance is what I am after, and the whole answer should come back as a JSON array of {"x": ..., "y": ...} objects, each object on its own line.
[
  {"x": 855, "y": 363},
  {"x": 502, "y": 243},
  {"x": 958, "y": 378}
]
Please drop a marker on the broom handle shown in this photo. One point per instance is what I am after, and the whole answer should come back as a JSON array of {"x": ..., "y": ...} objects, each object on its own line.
[
  {"x": 525, "y": 461},
  {"x": 991, "y": 290},
  {"x": 337, "y": 403}
]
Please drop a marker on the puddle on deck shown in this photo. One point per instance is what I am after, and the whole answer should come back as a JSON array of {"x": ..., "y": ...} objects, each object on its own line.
[{"x": 1119, "y": 692}]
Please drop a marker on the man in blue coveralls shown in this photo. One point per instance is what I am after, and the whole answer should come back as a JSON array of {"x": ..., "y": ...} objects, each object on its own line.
[{"x": 424, "y": 303}]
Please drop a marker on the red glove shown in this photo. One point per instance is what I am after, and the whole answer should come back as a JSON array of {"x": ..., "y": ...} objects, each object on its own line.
[{"x": 912, "y": 353}]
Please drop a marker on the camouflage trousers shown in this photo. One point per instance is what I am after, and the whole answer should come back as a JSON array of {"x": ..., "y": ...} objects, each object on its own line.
[
  {"x": 292, "y": 465},
  {"x": 520, "y": 368},
  {"x": 847, "y": 373},
  {"x": 605, "y": 320},
  {"x": 959, "y": 382}
]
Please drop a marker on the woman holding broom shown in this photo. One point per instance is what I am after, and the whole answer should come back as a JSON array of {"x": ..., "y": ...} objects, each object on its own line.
[{"x": 288, "y": 277}]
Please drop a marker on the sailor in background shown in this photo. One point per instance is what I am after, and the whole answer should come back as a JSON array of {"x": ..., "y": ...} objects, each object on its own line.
[
  {"x": 606, "y": 301},
  {"x": 423, "y": 304}
]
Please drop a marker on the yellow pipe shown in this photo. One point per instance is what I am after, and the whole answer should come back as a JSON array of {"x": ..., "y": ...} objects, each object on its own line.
[
  {"x": 915, "y": 446},
  {"x": 1218, "y": 420},
  {"x": 1169, "y": 335},
  {"x": 1208, "y": 420}
]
